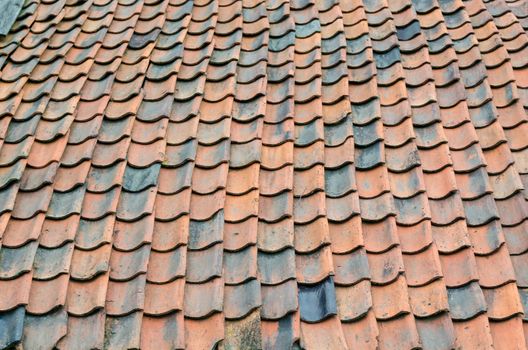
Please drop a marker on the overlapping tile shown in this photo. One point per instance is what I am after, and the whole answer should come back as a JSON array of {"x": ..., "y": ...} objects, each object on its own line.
[{"x": 264, "y": 174}]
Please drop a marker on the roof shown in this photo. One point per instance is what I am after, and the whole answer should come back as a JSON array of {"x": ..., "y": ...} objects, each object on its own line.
[{"x": 264, "y": 174}]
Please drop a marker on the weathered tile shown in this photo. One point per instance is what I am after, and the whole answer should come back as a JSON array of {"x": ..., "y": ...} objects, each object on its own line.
[{"x": 254, "y": 174}]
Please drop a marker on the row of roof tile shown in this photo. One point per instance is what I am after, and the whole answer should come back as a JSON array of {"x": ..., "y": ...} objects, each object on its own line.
[{"x": 264, "y": 174}]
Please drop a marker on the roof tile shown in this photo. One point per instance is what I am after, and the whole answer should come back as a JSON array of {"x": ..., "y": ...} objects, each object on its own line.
[{"x": 264, "y": 174}]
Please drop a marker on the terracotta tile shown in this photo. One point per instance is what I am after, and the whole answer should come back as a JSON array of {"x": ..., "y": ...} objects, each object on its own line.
[
  {"x": 88, "y": 264},
  {"x": 105, "y": 155},
  {"x": 64, "y": 204},
  {"x": 308, "y": 181},
  {"x": 161, "y": 299},
  {"x": 10, "y": 195},
  {"x": 428, "y": 300},
  {"x": 388, "y": 206},
  {"x": 18, "y": 291},
  {"x": 398, "y": 135},
  {"x": 311, "y": 236},
  {"x": 129, "y": 236},
  {"x": 290, "y": 325},
  {"x": 241, "y": 300},
  {"x": 378, "y": 208},
  {"x": 19, "y": 232},
  {"x": 35, "y": 178},
  {"x": 512, "y": 326},
  {"x": 373, "y": 182},
  {"x": 275, "y": 208},
  {"x": 49, "y": 263},
  {"x": 17, "y": 261},
  {"x": 166, "y": 177},
  {"x": 44, "y": 153},
  {"x": 149, "y": 132},
  {"x": 308, "y": 111},
  {"x": 250, "y": 322},
  {"x": 498, "y": 159},
  {"x": 168, "y": 235},
  {"x": 165, "y": 212},
  {"x": 342, "y": 209},
  {"x": 380, "y": 236},
  {"x": 436, "y": 330},
  {"x": 181, "y": 154},
  {"x": 266, "y": 261},
  {"x": 466, "y": 302},
  {"x": 77, "y": 325},
  {"x": 75, "y": 154},
  {"x": 203, "y": 186},
  {"x": 305, "y": 263},
  {"x": 164, "y": 332},
  {"x": 200, "y": 211},
  {"x": 390, "y": 300},
  {"x": 362, "y": 333},
  {"x": 403, "y": 158},
  {"x": 345, "y": 236},
  {"x": 391, "y": 335},
  {"x": 204, "y": 264},
  {"x": 328, "y": 334},
  {"x": 475, "y": 332},
  {"x": 446, "y": 211},
  {"x": 204, "y": 333},
  {"x": 351, "y": 268},
  {"x": 203, "y": 234},
  {"x": 354, "y": 311},
  {"x": 465, "y": 273},
  {"x": 125, "y": 297},
  {"x": 47, "y": 295},
  {"x": 385, "y": 267},
  {"x": 165, "y": 266},
  {"x": 240, "y": 208},
  {"x": 211, "y": 156},
  {"x": 275, "y": 308},
  {"x": 497, "y": 258},
  {"x": 415, "y": 238},
  {"x": 275, "y": 236},
  {"x": 452, "y": 237},
  {"x": 68, "y": 178},
  {"x": 126, "y": 265},
  {"x": 85, "y": 297},
  {"x": 91, "y": 234},
  {"x": 133, "y": 206},
  {"x": 276, "y": 181},
  {"x": 26, "y": 207},
  {"x": 123, "y": 331},
  {"x": 232, "y": 230},
  {"x": 244, "y": 154},
  {"x": 307, "y": 209},
  {"x": 514, "y": 206},
  {"x": 419, "y": 273},
  {"x": 394, "y": 115},
  {"x": 97, "y": 205},
  {"x": 196, "y": 308},
  {"x": 145, "y": 155},
  {"x": 503, "y": 302},
  {"x": 45, "y": 333}
]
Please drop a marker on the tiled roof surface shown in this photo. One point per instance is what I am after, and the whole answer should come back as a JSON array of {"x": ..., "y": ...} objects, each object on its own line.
[{"x": 329, "y": 174}]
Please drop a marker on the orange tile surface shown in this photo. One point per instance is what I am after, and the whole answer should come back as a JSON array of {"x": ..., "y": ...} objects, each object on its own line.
[{"x": 246, "y": 174}]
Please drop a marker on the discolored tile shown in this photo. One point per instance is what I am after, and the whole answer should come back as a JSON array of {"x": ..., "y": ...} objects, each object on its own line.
[{"x": 254, "y": 174}]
